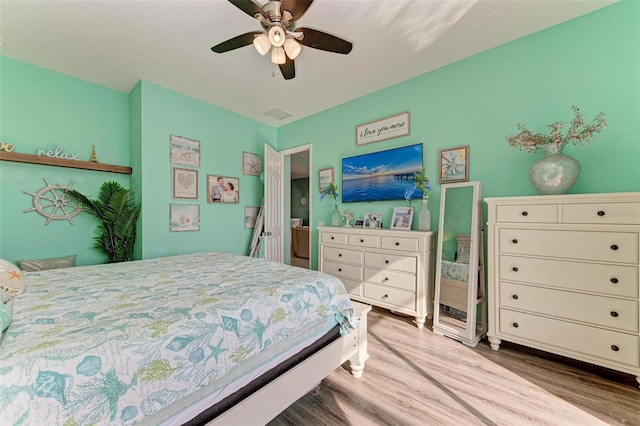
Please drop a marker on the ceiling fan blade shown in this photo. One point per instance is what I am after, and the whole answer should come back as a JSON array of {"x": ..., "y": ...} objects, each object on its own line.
[
  {"x": 248, "y": 7},
  {"x": 297, "y": 8},
  {"x": 288, "y": 69},
  {"x": 236, "y": 42},
  {"x": 323, "y": 41}
]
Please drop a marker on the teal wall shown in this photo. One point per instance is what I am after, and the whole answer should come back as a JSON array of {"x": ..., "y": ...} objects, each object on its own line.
[
  {"x": 42, "y": 109},
  {"x": 592, "y": 62}
]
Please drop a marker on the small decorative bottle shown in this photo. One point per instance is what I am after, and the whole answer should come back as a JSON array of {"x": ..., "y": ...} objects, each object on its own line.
[
  {"x": 336, "y": 216},
  {"x": 424, "y": 217}
]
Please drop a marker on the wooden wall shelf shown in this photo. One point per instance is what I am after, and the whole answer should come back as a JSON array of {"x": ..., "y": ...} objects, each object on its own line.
[{"x": 62, "y": 162}]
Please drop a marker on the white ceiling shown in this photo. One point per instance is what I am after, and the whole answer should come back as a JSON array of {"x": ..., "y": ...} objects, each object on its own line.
[{"x": 117, "y": 43}]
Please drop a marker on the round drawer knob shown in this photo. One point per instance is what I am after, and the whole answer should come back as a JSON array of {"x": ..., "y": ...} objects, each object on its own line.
[
  {"x": 614, "y": 247},
  {"x": 515, "y": 325},
  {"x": 514, "y": 297},
  {"x": 385, "y": 279},
  {"x": 614, "y": 280},
  {"x": 601, "y": 213},
  {"x": 333, "y": 238},
  {"x": 339, "y": 254},
  {"x": 385, "y": 296},
  {"x": 615, "y": 348},
  {"x": 525, "y": 213},
  {"x": 361, "y": 240},
  {"x": 339, "y": 269},
  {"x": 614, "y": 314},
  {"x": 514, "y": 241},
  {"x": 386, "y": 261},
  {"x": 397, "y": 243},
  {"x": 514, "y": 269}
]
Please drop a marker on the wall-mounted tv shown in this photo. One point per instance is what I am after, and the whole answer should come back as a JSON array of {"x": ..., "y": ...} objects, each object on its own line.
[{"x": 380, "y": 176}]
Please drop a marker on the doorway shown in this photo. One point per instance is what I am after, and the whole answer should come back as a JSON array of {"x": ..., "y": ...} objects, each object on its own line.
[{"x": 298, "y": 211}]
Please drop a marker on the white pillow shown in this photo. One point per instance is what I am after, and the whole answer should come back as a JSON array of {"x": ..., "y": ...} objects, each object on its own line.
[{"x": 11, "y": 281}]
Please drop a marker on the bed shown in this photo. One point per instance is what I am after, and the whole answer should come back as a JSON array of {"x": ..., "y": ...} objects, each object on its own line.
[
  {"x": 174, "y": 340},
  {"x": 454, "y": 277}
]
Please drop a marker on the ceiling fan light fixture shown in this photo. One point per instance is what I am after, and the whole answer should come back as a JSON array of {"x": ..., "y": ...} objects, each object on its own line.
[
  {"x": 262, "y": 44},
  {"x": 292, "y": 48},
  {"x": 277, "y": 56},
  {"x": 277, "y": 36}
]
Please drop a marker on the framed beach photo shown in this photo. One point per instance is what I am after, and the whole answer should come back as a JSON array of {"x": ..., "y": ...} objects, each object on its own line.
[
  {"x": 251, "y": 164},
  {"x": 250, "y": 217},
  {"x": 185, "y": 183},
  {"x": 372, "y": 220},
  {"x": 454, "y": 164},
  {"x": 325, "y": 177},
  {"x": 184, "y": 217},
  {"x": 223, "y": 189},
  {"x": 184, "y": 151},
  {"x": 402, "y": 218}
]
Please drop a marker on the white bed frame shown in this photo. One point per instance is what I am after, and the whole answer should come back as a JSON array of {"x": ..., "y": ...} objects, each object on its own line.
[
  {"x": 453, "y": 293},
  {"x": 265, "y": 404}
]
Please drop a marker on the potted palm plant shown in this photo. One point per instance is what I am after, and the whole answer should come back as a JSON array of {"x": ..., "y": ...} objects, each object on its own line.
[{"x": 118, "y": 214}]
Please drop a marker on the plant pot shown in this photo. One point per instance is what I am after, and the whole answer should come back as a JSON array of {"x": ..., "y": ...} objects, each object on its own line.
[{"x": 555, "y": 173}]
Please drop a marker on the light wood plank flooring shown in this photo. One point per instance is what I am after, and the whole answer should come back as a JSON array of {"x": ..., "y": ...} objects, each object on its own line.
[{"x": 415, "y": 377}]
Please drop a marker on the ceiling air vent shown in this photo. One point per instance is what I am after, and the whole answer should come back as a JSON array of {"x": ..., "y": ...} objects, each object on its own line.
[{"x": 278, "y": 114}]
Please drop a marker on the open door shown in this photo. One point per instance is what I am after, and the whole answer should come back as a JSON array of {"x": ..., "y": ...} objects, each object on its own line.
[{"x": 273, "y": 204}]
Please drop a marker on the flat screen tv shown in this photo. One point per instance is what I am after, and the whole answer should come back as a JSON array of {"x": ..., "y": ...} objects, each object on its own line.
[{"x": 381, "y": 176}]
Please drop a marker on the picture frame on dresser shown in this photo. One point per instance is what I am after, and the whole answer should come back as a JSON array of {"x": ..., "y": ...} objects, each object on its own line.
[
  {"x": 372, "y": 220},
  {"x": 359, "y": 223},
  {"x": 402, "y": 218}
]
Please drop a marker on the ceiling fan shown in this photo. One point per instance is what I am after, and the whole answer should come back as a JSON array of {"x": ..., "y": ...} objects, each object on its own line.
[{"x": 278, "y": 19}]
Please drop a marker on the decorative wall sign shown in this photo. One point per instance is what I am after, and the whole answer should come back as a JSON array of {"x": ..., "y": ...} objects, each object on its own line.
[
  {"x": 51, "y": 202},
  {"x": 184, "y": 217},
  {"x": 185, "y": 183},
  {"x": 185, "y": 151},
  {"x": 251, "y": 164},
  {"x": 6, "y": 147},
  {"x": 386, "y": 128},
  {"x": 223, "y": 189},
  {"x": 250, "y": 216},
  {"x": 57, "y": 153},
  {"x": 454, "y": 164}
]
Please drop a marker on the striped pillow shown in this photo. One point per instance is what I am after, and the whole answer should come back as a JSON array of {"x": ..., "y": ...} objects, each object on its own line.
[{"x": 44, "y": 264}]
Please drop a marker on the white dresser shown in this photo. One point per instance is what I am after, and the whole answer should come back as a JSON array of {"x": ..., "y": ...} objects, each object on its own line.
[
  {"x": 382, "y": 267},
  {"x": 563, "y": 276}
]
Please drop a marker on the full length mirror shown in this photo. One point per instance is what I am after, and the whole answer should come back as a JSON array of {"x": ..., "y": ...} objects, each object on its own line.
[{"x": 459, "y": 297}]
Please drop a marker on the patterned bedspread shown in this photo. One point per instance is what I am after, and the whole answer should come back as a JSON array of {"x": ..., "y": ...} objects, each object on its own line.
[
  {"x": 112, "y": 344},
  {"x": 455, "y": 271}
]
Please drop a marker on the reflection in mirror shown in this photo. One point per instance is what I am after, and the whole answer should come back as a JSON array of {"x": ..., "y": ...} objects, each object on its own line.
[{"x": 459, "y": 296}]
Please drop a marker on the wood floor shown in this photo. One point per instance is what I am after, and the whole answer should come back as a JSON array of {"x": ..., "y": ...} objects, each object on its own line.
[{"x": 415, "y": 377}]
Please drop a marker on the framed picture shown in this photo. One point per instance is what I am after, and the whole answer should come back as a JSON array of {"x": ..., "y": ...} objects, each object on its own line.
[
  {"x": 184, "y": 217},
  {"x": 372, "y": 220},
  {"x": 454, "y": 164},
  {"x": 359, "y": 223},
  {"x": 402, "y": 218},
  {"x": 184, "y": 151},
  {"x": 223, "y": 189},
  {"x": 380, "y": 176},
  {"x": 251, "y": 164},
  {"x": 250, "y": 216},
  {"x": 325, "y": 177},
  {"x": 381, "y": 130},
  {"x": 185, "y": 183}
]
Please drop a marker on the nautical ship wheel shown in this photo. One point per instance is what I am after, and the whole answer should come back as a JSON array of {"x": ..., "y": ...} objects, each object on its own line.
[{"x": 51, "y": 202}]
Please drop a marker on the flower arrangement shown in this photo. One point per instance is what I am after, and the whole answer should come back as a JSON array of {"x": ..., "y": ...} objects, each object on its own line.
[
  {"x": 421, "y": 182},
  {"x": 579, "y": 132},
  {"x": 331, "y": 190}
]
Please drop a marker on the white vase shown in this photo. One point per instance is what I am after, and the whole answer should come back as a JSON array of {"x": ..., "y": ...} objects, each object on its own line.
[{"x": 424, "y": 216}]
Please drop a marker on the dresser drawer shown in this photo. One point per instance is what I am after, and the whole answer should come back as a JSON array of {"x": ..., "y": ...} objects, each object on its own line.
[
  {"x": 596, "y": 310},
  {"x": 358, "y": 240},
  {"x": 391, "y": 279},
  {"x": 342, "y": 255},
  {"x": 390, "y": 261},
  {"x": 615, "y": 280},
  {"x": 390, "y": 296},
  {"x": 353, "y": 287},
  {"x": 401, "y": 243},
  {"x": 589, "y": 341},
  {"x": 342, "y": 270},
  {"x": 534, "y": 213},
  {"x": 615, "y": 213},
  {"x": 601, "y": 246},
  {"x": 334, "y": 237}
]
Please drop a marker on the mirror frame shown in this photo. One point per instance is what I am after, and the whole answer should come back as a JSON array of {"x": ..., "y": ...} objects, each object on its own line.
[{"x": 471, "y": 335}]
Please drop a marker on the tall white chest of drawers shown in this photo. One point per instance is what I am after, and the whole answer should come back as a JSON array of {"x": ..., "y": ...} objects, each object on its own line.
[
  {"x": 563, "y": 276},
  {"x": 382, "y": 267}
]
